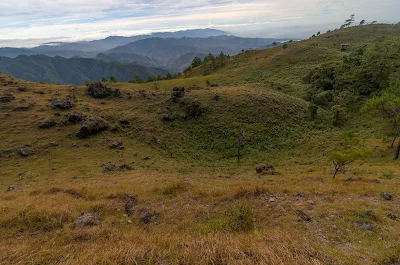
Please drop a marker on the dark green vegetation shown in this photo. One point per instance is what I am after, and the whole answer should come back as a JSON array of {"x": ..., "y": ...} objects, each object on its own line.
[
  {"x": 187, "y": 150},
  {"x": 41, "y": 68}
]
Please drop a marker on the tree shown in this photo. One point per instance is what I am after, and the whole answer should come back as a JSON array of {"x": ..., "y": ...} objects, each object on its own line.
[
  {"x": 87, "y": 83},
  {"x": 374, "y": 22},
  {"x": 274, "y": 43},
  {"x": 351, "y": 150},
  {"x": 362, "y": 22},
  {"x": 137, "y": 79},
  {"x": 349, "y": 21},
  {"x": 103, "y": 79},
  {"x": 319, "y": 33},
  {"x": 386, "y": 107},
  {"x": 285, "y": 46},
  {"x": 113, "y": 79},
  {"x": 196, "y": 62},
  {"x": 341, "y": 159}
]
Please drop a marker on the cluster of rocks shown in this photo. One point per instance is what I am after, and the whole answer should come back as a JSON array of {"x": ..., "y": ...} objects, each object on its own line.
[
  {"x": 266, "y": 169},
  {"x": 116, "y": 145},
  {"x": 112, "y": 167},
  {"x": 6, "y": 97},
  {"x": 62, "y": 104},
  {"x": 99, "y": 90},
  {"x": 75, "y": 117},
  {"x": 177, "y": 92},
  {"x": 25, "y": 151},
  {"x": 86, "y": 219},
  {"x": 92, "y": 126},
  {"x": 47, "y": 124}
]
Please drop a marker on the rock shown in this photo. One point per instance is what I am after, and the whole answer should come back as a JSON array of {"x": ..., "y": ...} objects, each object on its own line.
[
  {"x": 22, "y": 107},
  {"x": 124, "y": 167},
  {"x": 109, "y": 167},
  {"x": 57, "y": 114},
  {"x": 366, "y": 226},
  {"x": 303, "y": 215},
  {"x": 177, "y": 92},
  {"x": 124, "y": 122},
  {"x": 98, "y": 90},
  {"x": 130, "y": 204},
  {"x": 192, "y": 108},
  {"x": 216, "y": 98},
  {"x": 11, "y": 188},
  {"x": 25, "y": 151},
  {"x": 147, "y": 216},
  {"x": 22, "y": 88},
  {"x": 40, "y": 92},
  {"x": 146, "y": 158},
  {"x": 386, "y": 196},
  {"x": 7, "y": 97},
  {"x": 115, "y": 145},
  {"x": 214, "y": 85},
  {"x": 392, "y": 216},
  {"x": 62, "y": 104},
  {"x": 129, "y": 221},
  {"x": 117, "y": 93},
  {"x": 86, "y": 219},
  {"x": 94, "y": 125},
  {"x": 75, "y": 117},
  {"x": 47, "y": 124},
  {"x": 272, "y": 200},
  {"x": 266, "y": 169}
]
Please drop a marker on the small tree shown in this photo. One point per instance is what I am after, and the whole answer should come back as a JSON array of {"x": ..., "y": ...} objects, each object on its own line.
[
  {"x": 319, "y": 33},
  {"x": 113, "y": 79},
  {"x": 362, "y": 22},
  {"x": 196, "y": 62},
  {"x": 386, "y": 107},
  {"x": 285, "y": 46},
  {"x": 103, "y": 79},
  {"x": 86, "y": 83},
  {"x": 341, "y": 159}
]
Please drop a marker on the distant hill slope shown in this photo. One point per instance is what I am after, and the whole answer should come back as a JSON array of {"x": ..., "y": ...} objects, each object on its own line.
[
  {"x": 41, "y": 68},
  {"x": 128, "y": 58},
  {"x": 167, "y": 49}
]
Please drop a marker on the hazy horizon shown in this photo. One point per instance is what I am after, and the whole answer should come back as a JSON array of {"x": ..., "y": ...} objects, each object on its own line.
[{"x": 31, "y": 23}]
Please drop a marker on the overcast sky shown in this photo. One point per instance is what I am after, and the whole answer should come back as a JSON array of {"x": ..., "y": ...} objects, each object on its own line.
[{"x": 30, "y": 22}]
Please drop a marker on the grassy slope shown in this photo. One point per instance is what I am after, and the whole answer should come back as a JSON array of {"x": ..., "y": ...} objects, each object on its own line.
[{"x": 192, "y": 178}]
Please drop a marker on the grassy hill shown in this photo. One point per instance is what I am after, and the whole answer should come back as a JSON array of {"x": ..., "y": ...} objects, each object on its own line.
[{"x": 180, "y": 161}]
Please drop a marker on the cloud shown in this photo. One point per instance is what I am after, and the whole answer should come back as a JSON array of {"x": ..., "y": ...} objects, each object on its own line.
[{"x": 90, "y": 19}]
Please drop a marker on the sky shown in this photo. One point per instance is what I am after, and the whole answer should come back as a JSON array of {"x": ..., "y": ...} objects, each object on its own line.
[{"x": 27, "y": 23}]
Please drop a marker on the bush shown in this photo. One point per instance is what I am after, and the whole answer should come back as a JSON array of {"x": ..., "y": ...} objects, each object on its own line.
[{"x": 240, "y": 218}]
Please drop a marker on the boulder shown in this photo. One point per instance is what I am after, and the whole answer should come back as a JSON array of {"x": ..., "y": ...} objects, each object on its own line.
[
  {"x": 75, "y": 117},
  {"x": 177, "y": 92},
  {"x": 86, "y": 219},
  {"x": 93, "y": 125},
  {"x": 7, "y": 97},
  {"x": 98, "y": 90},
  {"x": 266, "y": 169},
  {"x": 109, "y": 167},
  {"x": 386, "y": 196},
  {"x": 115, "y": 145},
  {"x": 25, "y": 151},
  {"x": 303, "y": 215},
  {"x": 62, "y": 104},
  {"x": 11, "y": 188},
  {"x": 124, "y": 167},
  {"x": 47, "y": 124}
]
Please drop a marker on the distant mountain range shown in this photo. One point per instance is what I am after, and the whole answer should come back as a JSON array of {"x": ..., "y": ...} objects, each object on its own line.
[
  {"x": 153, "y": 54},
  {"x": 73, "y": 70}
]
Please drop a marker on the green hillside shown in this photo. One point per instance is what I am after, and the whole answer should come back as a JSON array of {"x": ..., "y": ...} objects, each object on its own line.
[{"x": 192, "y": 158}]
